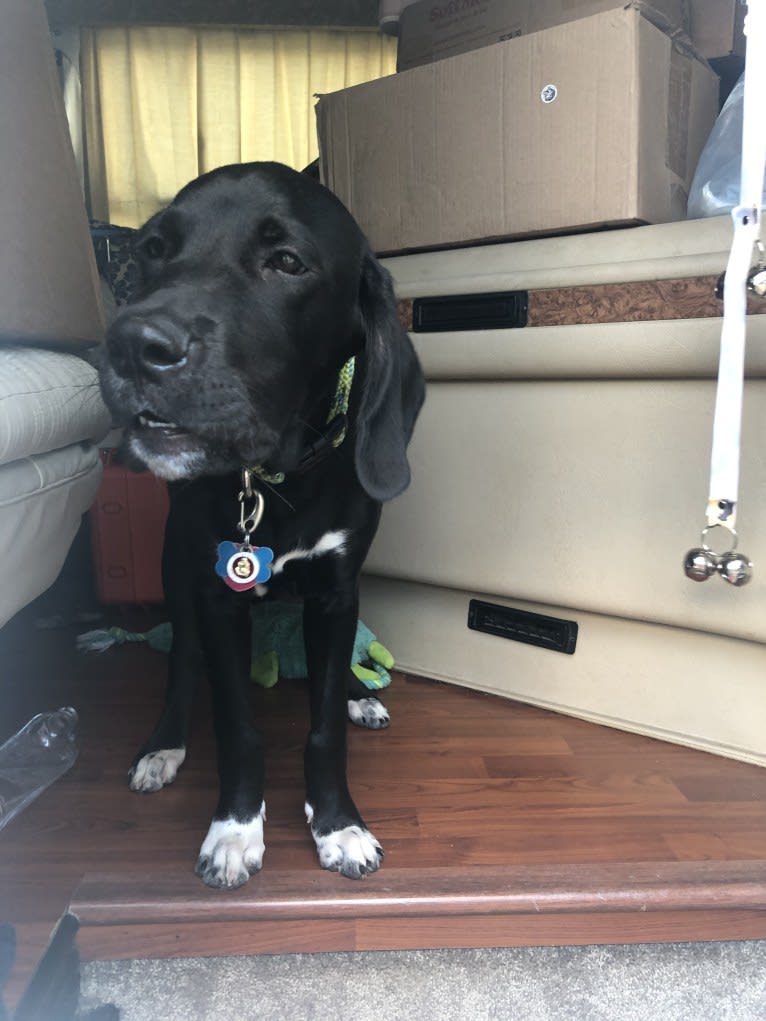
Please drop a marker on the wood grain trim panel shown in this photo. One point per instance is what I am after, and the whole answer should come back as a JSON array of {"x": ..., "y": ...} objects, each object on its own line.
[
  {"x": 691, "y": 298},
  {"x": 124, "y": 942},
  {"x": 295, "y": 896},
  {"x": 643, "y": 301}
]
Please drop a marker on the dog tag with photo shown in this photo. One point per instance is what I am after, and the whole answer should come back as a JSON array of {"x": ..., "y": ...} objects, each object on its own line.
[{"x": 243, "y": 566}]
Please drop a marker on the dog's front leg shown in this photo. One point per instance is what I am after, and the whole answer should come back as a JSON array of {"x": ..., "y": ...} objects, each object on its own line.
[
  {"x": 343, "y": 841},
  {"x": 233, "y": 848},
  {"x": 163, "y": 753}
]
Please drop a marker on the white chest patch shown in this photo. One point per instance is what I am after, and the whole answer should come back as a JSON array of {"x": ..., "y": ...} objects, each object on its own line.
[{"x": 330, "y": 542}]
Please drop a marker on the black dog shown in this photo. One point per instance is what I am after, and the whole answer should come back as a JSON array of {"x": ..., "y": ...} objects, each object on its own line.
[{"x": 230, "y": 372}]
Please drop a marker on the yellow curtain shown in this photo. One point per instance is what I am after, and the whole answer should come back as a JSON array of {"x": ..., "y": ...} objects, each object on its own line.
[{"x": 163, "y": 105}]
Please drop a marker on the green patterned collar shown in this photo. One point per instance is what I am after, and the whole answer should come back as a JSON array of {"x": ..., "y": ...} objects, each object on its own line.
[{"x": 333, "y": 436}]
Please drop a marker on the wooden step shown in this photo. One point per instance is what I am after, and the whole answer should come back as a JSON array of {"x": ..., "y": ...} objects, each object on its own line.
[{"x": 278, "y": 911}]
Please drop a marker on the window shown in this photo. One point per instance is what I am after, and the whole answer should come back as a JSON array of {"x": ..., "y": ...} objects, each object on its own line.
[{"x": 163, "y": 105}]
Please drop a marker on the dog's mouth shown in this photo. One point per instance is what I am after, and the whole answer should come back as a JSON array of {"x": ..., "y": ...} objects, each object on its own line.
[
  {"x": 166, "y": 448},
  {"x": 172, "y": 450},
  {"x": 148, "y": 421},
  {"x": 160, "y": 436}
]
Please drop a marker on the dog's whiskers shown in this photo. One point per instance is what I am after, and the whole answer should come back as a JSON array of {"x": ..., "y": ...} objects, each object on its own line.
[
  {"x": 313, "y": 428},
  {"x": 277, "y": 493}
]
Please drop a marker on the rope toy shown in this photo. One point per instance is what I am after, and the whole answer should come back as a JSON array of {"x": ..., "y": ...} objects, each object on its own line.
[{"x": 278, "y": 628}]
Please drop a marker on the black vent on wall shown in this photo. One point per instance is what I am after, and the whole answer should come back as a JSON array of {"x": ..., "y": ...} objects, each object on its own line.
[
  {"x": 502, "y": 310},
  {"x": 521, "y": 626}
]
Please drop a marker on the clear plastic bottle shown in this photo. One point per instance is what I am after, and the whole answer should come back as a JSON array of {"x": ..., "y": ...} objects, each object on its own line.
[{"x": 34, "y": 758}]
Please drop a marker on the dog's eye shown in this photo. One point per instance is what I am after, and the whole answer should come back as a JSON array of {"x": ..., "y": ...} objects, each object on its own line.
[
  {"x": 154, "y": 248},
  {"x": 286, "y": 262}
]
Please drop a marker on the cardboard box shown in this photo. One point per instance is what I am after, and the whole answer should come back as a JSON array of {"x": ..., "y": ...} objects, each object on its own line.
[
  {"x": 49, "y": 289},
  {"x": 600, "y": 121},
  {"x": 430, "y": 30},
  {"x": 716, "y": 27}
]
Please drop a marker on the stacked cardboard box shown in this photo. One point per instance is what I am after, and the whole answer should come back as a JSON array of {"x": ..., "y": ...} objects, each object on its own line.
[
  {"x": 597, "y": 121},
  {"x": 716, "y": 28},
  {"x": 431, "y": 30}
]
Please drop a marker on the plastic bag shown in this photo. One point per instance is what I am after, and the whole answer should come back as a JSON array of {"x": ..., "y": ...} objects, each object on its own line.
[{"x": 715, "y": 188}]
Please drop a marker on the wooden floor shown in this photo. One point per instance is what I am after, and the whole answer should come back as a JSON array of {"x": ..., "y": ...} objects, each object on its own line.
[{"x": 502, "y": 824}]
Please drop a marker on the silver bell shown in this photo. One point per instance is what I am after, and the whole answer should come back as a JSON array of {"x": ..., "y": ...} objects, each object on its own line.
[
  {"x": 700, "y": 564},
  {"x": 735, "y": 568},
  {"x": 756, "y": 281}
]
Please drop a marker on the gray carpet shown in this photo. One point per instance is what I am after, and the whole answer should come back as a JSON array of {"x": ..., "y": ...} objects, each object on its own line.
[{"x": 670, "y": 982}]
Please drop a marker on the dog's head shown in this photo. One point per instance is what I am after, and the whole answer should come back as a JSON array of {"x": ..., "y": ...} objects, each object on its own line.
[{"x": 257, "y": 286}]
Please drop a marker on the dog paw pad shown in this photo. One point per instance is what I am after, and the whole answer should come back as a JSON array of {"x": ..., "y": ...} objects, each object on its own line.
[
  {"x": 368, "y": 712},
  {"x": 155, "y": 770}
]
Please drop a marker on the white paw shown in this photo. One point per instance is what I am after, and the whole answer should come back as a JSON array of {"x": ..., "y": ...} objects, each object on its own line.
[
  {"x": 232, "y": 851},
  {"x": 368, "y": 712},
  {"x": 353, "y": 851},
  {"x": 157, "y": 769}
]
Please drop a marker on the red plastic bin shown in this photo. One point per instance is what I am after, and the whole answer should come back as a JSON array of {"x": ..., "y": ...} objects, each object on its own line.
[{"x": 127, "y": 529}]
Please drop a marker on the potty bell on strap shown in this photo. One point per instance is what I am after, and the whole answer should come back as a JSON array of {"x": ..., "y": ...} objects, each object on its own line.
[
  {"x": 741, "y": 277},
  {"x": 703, "y": 562}
]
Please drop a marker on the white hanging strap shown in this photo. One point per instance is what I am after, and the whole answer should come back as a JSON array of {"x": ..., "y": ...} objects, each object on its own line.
[{"x": 724, "y": 467}]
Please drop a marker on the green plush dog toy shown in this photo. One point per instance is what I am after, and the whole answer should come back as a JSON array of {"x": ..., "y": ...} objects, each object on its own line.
[{"x": 278, "y": 628}]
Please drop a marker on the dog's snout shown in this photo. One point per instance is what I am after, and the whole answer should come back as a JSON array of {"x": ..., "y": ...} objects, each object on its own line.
[
  {"x": 161, "y": 346},
  {"x": 152, "y": 347}
]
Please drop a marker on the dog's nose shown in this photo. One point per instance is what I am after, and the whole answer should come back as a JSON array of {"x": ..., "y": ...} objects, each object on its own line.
[{"x": 157, "y": 345}]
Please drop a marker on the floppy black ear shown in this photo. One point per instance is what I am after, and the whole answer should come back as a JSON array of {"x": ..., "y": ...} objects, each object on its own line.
[{"x": 393, "y": 391}]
